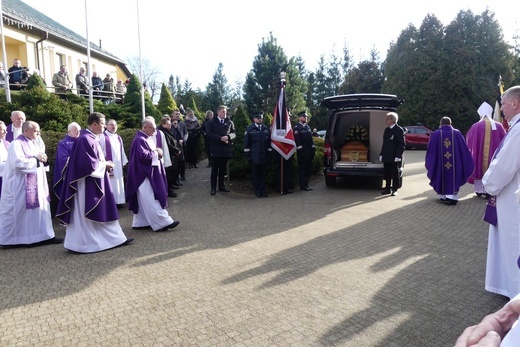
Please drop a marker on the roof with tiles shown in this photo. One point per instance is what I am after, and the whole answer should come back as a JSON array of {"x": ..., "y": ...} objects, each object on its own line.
[{"x": 27, "y": 16}]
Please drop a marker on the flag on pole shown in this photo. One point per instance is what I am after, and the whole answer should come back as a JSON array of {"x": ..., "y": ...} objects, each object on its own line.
[
  {"x": 282, "y": 136},
  {"x": 498, "y": 114}
]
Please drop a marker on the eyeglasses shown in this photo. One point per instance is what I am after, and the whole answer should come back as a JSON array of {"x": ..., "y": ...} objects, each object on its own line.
[{"x": 175, "y": 123}]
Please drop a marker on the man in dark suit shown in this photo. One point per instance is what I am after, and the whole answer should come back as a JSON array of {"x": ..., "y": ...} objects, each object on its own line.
[
  {"x": 392, "y": 153},
  {"x": 220, "y": 131}
]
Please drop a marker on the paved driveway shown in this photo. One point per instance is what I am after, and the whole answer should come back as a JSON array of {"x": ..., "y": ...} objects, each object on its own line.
[{"x": 340, "y": 266}]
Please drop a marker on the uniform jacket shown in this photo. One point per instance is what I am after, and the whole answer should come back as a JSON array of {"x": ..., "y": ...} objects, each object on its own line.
[
  {"x": 257, "y": 144},
  {"x": 304, "y": 142}
]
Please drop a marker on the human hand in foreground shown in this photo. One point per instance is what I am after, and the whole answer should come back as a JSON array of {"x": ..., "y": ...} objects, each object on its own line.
[{"x": 492, "y": 329}]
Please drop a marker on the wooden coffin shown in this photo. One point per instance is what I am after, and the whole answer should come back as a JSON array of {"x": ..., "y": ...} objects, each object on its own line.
[{"x": 354, "y": 151}]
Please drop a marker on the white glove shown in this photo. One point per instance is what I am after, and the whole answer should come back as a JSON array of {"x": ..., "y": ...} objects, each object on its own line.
[
  {"x": 397, "y": 160},
  {"x": 380, "y": 158}
]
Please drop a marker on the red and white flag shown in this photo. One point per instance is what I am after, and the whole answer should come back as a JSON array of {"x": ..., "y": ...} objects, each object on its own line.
[{"x": 282, "y": 136}]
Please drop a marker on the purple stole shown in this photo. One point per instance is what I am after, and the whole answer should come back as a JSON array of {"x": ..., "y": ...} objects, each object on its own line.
[
  {"x": 9, "y": 136},
  {"x": 159, "y": 139},
  {"x": 108, "y": 147},
  {"x": 31, "y": 179},
  {"x": 490, "y": 214}
]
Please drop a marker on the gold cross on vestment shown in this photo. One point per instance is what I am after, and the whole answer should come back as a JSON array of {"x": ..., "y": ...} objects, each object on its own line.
[
  {"x": 448, "y": 165},
  {"x": 447, "y": 155},
  {"x": 447, "y": 142}
]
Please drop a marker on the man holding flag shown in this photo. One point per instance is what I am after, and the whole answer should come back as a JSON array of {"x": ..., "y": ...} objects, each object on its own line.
[{"x": 282, "y": 140}]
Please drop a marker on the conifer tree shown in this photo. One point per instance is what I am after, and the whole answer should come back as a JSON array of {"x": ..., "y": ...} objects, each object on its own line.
[{"x": 166, "y": 104}]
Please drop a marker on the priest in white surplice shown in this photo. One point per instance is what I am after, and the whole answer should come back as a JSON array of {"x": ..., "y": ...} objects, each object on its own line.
[
  {"x": 25, "y": 213},
  {"x": 501, "y": 180},
  {"x": 146, "y": 189},
  {"x": 114, "y": 151}
]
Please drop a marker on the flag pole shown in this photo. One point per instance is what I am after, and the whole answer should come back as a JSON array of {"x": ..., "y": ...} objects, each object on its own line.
[
  {"x": 143, "y": 110},
  {"x": 4, "y": 57},
  {"x": 89, "y": 66},
  {"x": 281, "y": 175}
]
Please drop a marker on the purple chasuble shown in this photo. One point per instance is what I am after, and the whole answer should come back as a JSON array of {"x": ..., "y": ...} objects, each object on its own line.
[
  {"x": 62, "y": 154},
  {"x": 139, "y": 168},
  {"x": 448, "y": 160},
  {"x": 482, "y": 143},
  {"x": 100, "y": 204}
]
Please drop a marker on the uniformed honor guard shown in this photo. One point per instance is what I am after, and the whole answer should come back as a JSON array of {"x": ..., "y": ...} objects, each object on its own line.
[
  {"x": 305, "y": 150},
  {"x": 257, "y": 148}
]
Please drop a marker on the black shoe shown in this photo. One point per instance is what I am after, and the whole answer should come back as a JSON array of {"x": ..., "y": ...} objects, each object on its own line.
[
  {"x": 213, "y": 191},
  {"x": 224, "y": 189},
  {"x": 175, "y": 187},
  {"x": 142, "y": 228},
  {"x": 171, "y": 226},
  {"x": 385, "y": 192},
  {"x": 209, "y": 165},
  {"x": 309, "y": 188},
  {"x": 287, "y": 191},
  {"x": 264, "y": 194},
  {"x": 450, "y": 202},
  {"x": 172, "y": 195},
  {"x": 128, "y": 241},
  {"x": 394, "y": 193},
  {"x": 195, "y": 167},
  {"x": 178, "y": 183},
  {"x": 53, "y": 241},
  {"x": 183, "y": 178}
]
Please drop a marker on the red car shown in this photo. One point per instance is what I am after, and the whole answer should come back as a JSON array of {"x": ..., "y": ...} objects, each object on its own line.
[{"x": 417, "y": 136}]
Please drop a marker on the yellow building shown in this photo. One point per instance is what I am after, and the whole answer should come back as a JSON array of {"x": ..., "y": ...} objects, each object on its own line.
[{"x": 44, "y": 44}]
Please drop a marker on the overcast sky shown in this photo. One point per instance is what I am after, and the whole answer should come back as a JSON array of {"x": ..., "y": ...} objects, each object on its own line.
[{"x": 189, "y": 38}]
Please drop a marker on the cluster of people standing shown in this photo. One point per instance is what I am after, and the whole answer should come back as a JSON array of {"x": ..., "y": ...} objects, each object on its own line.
[
  {"x": 103, "y": 88},
  {"x": 88, "y": 182}
]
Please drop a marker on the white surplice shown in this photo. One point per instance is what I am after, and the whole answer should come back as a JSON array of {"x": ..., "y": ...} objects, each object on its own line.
[
  {"x": 119, "y": 159},
  {"x": 21, "y": 225},
  {"x": 502, "y": 180}
]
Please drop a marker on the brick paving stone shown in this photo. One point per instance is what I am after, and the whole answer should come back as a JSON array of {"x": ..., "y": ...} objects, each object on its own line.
[{"x": 338, "y": 266}]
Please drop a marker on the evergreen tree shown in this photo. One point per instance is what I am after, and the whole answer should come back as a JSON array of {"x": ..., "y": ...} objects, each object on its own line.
[
  {"x": 133, "y": 105},
  {"x": 166, "y": 104},
  {"x": 238, "y": 165},
  {"x": 261, "y": 86},
  {"x": 218, "y": 91}
]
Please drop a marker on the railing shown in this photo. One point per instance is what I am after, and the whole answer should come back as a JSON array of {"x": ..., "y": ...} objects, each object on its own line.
[{"x": 104, "y": 96}]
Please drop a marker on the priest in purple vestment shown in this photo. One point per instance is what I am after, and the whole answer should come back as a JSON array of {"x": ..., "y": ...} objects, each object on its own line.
[
  {"x": 483, "y": 138},
  {"x": 448, "y": 161},
  {"x": 87, "y": 205},
  {"x": 146, "y": 191},
  {"x": 62, "y": 154}
]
